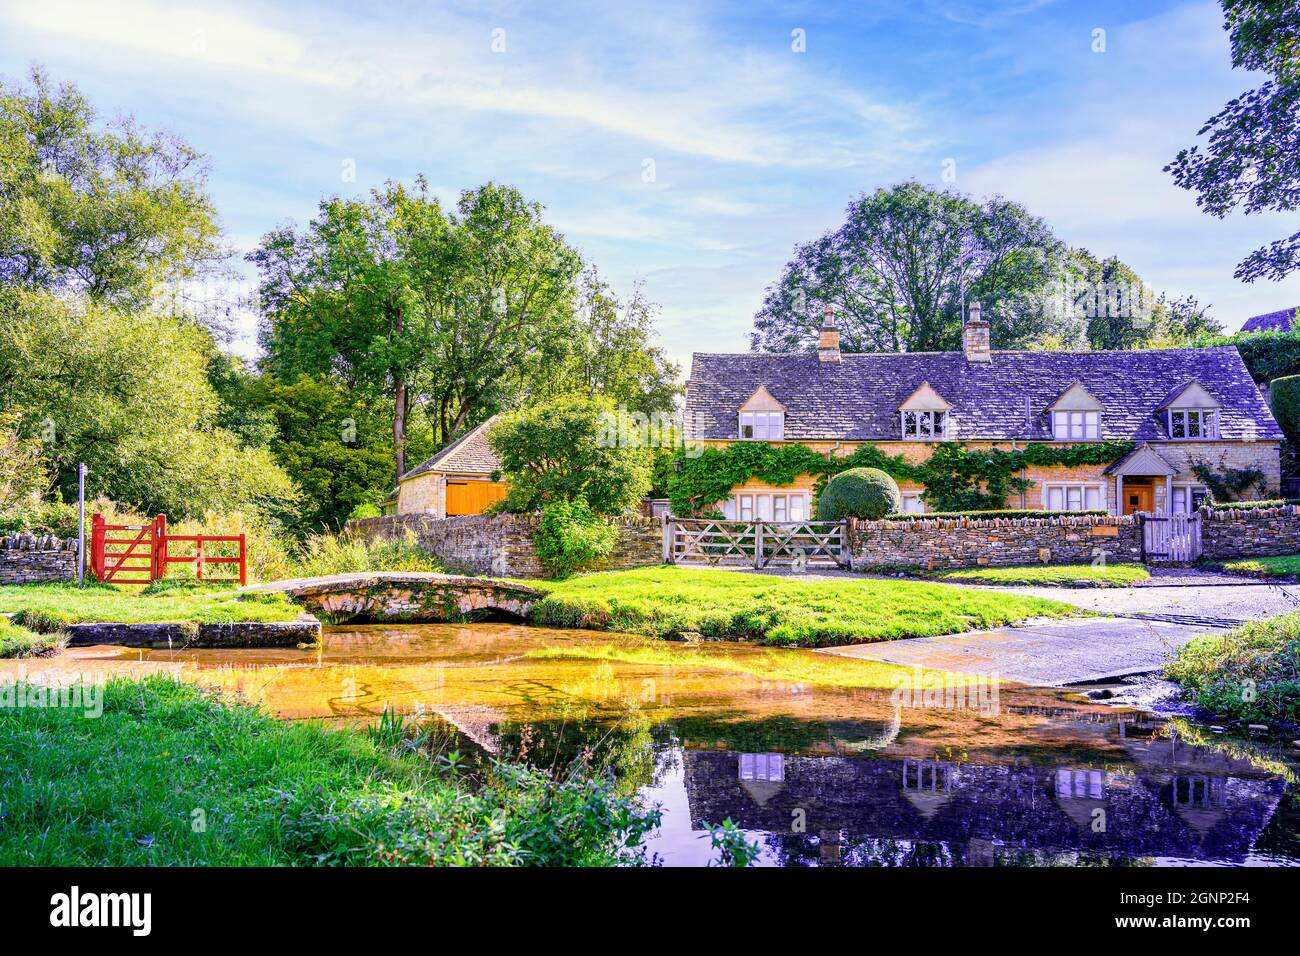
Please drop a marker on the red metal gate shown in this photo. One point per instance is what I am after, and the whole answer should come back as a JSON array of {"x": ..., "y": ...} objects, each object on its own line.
[{"x": 143, "y": 553}]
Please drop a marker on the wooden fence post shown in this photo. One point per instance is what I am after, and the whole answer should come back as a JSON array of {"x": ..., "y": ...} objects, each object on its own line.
[
  {"x": 667, "y": 523},
  {"x": 243, "y": 560}
]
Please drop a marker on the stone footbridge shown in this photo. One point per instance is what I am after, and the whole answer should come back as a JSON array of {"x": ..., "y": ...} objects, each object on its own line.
[{"x": 411, "y": 596}]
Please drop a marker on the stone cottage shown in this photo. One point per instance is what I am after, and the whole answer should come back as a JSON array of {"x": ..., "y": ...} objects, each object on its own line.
[{"x": 1180, "y": 407}]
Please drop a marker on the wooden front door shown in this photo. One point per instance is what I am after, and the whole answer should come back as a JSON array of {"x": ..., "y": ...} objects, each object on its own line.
[
  {"x": 1139, "y": 498},
  {"x": 472, "y": 497}
]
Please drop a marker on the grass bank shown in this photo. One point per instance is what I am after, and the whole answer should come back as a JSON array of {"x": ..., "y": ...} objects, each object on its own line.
[
  {"x": 1251, "y": 673},
  {"x": 16, "y": 641},
  {"x": 199, "y": 781},
  {"x": 1109, "y": 575},
  {"x": 1286, "y": 566},
  {"x": 47, "y": 608},
  {"x": 671, "y": 602}
]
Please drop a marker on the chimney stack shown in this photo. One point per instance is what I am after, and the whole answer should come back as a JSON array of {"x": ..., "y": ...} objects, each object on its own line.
[
  {"x": 828, "y": 345},
  {"x": 975, "y": 337}
]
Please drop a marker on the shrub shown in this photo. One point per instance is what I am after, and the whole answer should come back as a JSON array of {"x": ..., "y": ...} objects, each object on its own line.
[
  {"x": 363, "y": 511},
  {"x": 348, "y": 553},
  {"x": 1251, "y": 673},
  {"x": 563, "y": 450},
  {"x": 866, "y": 493},
  {"x": 570, "y": 537},
  {"x": 1253, "y": 505}
]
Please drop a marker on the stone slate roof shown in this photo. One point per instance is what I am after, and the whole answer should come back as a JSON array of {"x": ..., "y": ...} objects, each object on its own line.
[
  {"x": 469, "y": 454},
  {"x": 1279, "y": 321},
  {"x": 1007, "y": 398}
]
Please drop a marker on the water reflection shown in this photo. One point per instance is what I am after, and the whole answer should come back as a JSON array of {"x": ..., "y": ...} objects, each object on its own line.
[{"x": 813, "y": 756}]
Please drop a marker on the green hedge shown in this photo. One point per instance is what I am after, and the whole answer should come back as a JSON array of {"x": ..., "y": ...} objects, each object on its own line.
[
  {"x": 1284, "y": 395},
  {"x": 1268, "y": 355},
  {"x": 1252, "y": 505}
]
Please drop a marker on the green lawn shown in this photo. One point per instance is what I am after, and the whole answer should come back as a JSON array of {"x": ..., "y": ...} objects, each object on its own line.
[
  {"x": 47, "y": 607},
  {"x": 1113, "y": 575},
  {"x": 671, "y": 602},
  {"x": 1251, "y": 673},
  {"x": 1286, "y": 566},
  {"x": 197, "y": 781}
]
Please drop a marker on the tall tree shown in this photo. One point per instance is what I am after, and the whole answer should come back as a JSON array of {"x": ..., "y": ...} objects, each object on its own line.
[
  {"x": 458, "y": 315},
  {"x": 498, "y": 299},
  {"x": 614, "y": 354},
  {"x": 1252, "y": 158},
  {"x": 1104, "y": 304},
  {"x": 337, "y": 298},
  {"x": 109, "y": 212},
  {"x": 896, "y": 270}
]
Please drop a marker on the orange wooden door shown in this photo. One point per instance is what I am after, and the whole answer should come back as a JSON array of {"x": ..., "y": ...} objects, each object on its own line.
[
  {"x": 472, "y": 497},
  {"x": 1139, "y": 498}
]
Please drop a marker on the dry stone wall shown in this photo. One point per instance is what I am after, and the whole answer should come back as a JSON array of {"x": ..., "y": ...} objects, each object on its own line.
[
  {"x": 502, "y": 545},
  {"x": 973, "y": 542},
  {"x": 29, "y": 559}
]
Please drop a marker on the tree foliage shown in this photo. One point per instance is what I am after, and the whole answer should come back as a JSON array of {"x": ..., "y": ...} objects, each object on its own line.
[
  {"x": 559, "y": 450},
  {"x": 1251, "y": 160},
  {"x": 128, "y": 394},
  {"x": 895, "y": 272},
  {"x": 109, "y": 212}
]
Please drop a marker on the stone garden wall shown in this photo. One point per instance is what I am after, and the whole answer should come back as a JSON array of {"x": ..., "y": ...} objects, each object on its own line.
[
  {"x": 974, "y": 542},
  {"x": 502, "y": 545},
  {"x": 28, "y": 558},
  {"x": 1250, "y": 532}
]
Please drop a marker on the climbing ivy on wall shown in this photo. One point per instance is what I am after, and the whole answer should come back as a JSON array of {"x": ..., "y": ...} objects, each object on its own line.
[{"x": 956, "y": 478}]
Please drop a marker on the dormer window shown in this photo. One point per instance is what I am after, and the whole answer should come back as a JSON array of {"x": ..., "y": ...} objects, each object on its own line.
[
  {"x": 1076, "y": 425},
  {"x": 925, "y": 426},
  {"x": 1192, "y": 413},
  {"x": 1193, "y": 423},
  {"x": 762, "y": 426},
  {"x": 924, "y": 416},
  {"x": 761, "y": 418},
  {"x": 1076, "y": 415}
]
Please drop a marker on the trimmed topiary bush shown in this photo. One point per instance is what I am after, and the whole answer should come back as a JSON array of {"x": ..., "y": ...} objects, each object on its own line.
[
  {"x": 1284, "y": 396},
  {"x": 866, "y": 493}
]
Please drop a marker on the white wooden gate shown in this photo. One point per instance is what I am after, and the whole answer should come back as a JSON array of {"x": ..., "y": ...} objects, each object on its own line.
[
  {"x": 758, "y": 543},
  {"x": 1171, "y": 537}
]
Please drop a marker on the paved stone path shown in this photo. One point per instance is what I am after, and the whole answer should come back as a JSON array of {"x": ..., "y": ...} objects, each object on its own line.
[{"x": 1044, "y": 654}]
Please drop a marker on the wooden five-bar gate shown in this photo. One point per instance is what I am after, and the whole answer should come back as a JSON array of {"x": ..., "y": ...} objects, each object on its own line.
[
  {"x": 140, "y": 553},
  {"x": 758, "y": 543},
  {"x": 1171, "y": 537}
]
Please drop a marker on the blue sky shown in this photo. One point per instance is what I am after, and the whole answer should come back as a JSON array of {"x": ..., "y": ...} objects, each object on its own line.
[{"x": 755, "y": 146}]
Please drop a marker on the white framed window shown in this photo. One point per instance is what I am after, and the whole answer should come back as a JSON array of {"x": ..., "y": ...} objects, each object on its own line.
[
  {"x": 762, "y": 426},
  {"x": 762, "y": 767},
  {"x": 767, "y": 506},
  {"x": 912, "y": 503},
  {"x": 924, "y": 426},
  {"x": 1187, "y": 498},
  {"x": 1074, "y": 496},
  {"x": 1076, "y": 426},
  {"x": 1088, "y": 784},
  {"x": 1193, "y": 423}
]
